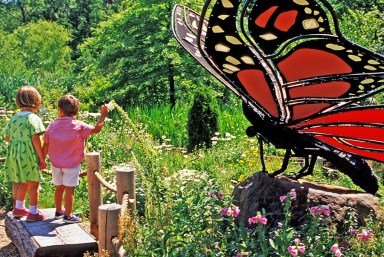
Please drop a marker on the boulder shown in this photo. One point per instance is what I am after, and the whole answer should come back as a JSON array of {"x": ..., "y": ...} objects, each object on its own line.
[{"x": 260, "y": 191}]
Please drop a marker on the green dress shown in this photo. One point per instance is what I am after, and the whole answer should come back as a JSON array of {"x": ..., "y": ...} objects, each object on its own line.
[{"x": 22, "y": 162}]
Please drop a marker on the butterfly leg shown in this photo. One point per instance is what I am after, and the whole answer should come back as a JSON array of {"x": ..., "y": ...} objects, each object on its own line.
[
  {"x": 261, "y": 150},
  {"x": 284, "y": 166},
  {"x": 308, "y": 167}
]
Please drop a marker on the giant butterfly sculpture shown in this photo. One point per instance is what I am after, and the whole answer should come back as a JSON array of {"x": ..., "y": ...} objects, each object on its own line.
[{"x": 300, "y": 80}]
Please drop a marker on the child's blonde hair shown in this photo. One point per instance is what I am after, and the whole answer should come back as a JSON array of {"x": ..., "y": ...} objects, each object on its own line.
[
  {"x": 69, "y": 105},
  {"x": 28, "y": 96}
]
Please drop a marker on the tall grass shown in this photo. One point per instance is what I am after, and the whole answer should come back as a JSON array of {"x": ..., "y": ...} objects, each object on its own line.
[{"x": 162, "y": 121}]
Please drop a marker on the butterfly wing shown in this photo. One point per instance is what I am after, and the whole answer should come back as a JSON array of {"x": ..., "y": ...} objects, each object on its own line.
[
  {"x": 357, "y": 130},
  {"x": 195, "y": 43},
  {"x": 290, "y": 63}
]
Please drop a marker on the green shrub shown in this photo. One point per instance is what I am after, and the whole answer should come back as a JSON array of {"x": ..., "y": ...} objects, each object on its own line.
[{"x": 202, "y": 121}]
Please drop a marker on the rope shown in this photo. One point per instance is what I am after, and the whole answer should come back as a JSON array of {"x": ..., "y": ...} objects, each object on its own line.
[
  {"x": 124, "y": 205},
  {"x": 117, "y": 244},
  {"x": 104, "y": 183}
]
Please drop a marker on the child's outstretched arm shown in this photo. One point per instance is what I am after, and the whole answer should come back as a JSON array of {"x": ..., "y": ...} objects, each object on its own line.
[{"x": 100, "y": 123}]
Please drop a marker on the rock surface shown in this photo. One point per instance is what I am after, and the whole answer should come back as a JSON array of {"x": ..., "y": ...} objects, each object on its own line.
[{"x": 263, "y": 192}]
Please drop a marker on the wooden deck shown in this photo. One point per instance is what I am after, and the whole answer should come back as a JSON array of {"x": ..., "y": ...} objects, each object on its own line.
[{"x": 49, "y": 238}]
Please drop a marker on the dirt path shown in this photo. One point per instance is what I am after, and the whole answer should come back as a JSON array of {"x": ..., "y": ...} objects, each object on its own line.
[{"x": 7, "y": 249}]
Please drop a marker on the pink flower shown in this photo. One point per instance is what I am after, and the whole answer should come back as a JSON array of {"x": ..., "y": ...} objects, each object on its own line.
[
  {"x": 326, "y": 210},
  {"x": 301, "y": 248},
  {"x": 335, "y": 247},
  {"x": 364, "y": 235},
  {"x": 323, "y": 209},
  {"x": 263, "y": 220},
  {"x": 210, "y": 194},
  {"x": 219, "y": 195},
  {"x": 313, "y": 209},
  {"x": 239, "y": 255},
  {"x": 257, "y": 219},
  {"x": 225, "y": 211},
  {"x": 282, "y": 198},
  {"x": 235, "y": 211},
  {"x": 296, "y": 240},
  {"x": 338, "y": 253},
  {"x": 293, "y": 251},
  {"x": 353, "y": 230},
  {"x": 252, "y": 220},
  {"x": 319, "y": 211}
]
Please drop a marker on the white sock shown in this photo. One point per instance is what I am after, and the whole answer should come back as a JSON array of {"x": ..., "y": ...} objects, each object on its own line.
[
  {"x": 20, "y": 204},
  {"x": 33, "y": 209}
]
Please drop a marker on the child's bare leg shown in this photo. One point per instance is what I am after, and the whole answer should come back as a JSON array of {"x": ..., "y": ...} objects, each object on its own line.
[
  {"x": 20, "y": 194},
  {"x": 69, "y": 200},
  {"x": 22, "y": 191},
  {"x": 33, "y": 192},
  {"x": 59, "y": 198}
]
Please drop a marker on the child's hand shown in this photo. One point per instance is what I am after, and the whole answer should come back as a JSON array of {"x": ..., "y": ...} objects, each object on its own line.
[
  {"x": 104, "y": 110},
  {"x": 42, "y": 164}
]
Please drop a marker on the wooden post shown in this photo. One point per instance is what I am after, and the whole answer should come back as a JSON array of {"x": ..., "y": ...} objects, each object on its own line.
[
  {"x": 125, "y": 183},
  {"x": 109, "y": 215},
  {"x": 94, "y": 190},
  {"x": 15, "y": 186}
]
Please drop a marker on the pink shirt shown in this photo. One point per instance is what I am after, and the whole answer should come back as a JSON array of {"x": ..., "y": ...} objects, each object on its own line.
[{"x": 66, "y": 138}]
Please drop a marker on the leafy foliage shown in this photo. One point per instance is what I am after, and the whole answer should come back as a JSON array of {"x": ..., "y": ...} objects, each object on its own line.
[{"x": 371, "y": 22}]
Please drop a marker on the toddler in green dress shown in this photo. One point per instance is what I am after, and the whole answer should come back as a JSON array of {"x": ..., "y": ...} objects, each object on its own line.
[{"x": 24, "y": 158}]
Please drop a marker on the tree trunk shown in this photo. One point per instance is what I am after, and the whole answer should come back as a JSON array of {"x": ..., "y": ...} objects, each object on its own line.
[
  {"x": 172, "y": 97},
  {"x": 22, "y": 9}
]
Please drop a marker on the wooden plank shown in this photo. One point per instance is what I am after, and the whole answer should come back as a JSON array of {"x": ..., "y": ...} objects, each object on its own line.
[{"x": 49, "y": 238}]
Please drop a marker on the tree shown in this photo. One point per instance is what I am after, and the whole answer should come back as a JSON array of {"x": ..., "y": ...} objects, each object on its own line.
[
  {"x": 135, "y": 54},
  {"x": 78, "y": 16},
  {"x": 202, "y": 121},
  {"x": 43, "y": 47}
]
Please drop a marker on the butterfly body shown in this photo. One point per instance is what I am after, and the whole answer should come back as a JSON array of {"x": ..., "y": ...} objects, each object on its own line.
[{"x": 300, "y": 80}]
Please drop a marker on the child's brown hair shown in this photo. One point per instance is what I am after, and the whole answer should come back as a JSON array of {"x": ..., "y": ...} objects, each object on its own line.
[
  {"x": 28, "y": 96},
  {"x": 69, "y": 105}
]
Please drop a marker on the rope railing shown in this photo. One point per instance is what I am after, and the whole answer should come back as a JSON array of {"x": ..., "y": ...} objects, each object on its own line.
[
  {"x": 104, "y": 219},
  {"x": 104, "y": 182},
  {"x": 124, "y": 214},
  {"x": 124, "y": 205}
]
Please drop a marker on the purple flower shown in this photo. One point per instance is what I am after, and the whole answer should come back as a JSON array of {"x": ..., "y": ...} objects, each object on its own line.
[
  {"x": 235, "y": 211},
  {"x": 257, "y": 219},
  {"x": 364, "y": 235},
  {"x": 225, "y": 211}
]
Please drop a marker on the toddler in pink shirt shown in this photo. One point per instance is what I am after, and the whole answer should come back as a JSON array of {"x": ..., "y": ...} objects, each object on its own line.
[{"x": 64, "y": 142}]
